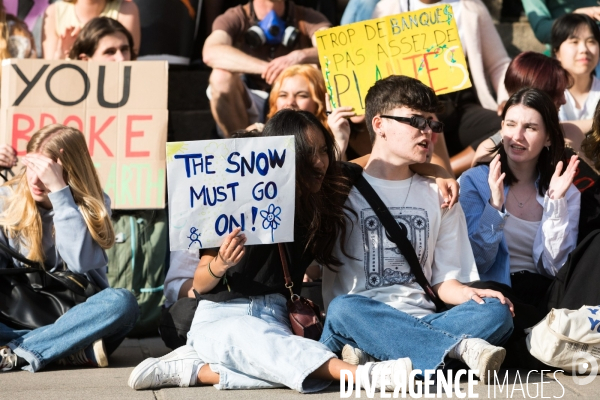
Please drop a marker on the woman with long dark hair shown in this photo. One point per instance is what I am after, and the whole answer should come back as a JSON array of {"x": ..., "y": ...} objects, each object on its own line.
[{"x": 240, "y": 336}]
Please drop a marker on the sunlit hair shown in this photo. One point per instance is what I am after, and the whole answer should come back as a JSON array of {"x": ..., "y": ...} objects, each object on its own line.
[
  {"x": 591, "y": 144},
  {"x": 321, "y": 214},
  {"x": 88, "y": 39},
  {"x": 3, "y": 33},
  {"x": 550, "y": 156},
  {"x": 316, "y": 86},
  {"x": 75, "y": 1},
  {"x": 535, "y": 70},
  {"x": 21, "y": 219}
]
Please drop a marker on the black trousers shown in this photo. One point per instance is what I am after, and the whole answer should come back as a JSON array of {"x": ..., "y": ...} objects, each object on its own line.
[
  {"x": 175, "y": 322},
  {"x": 466, "y": 122}
]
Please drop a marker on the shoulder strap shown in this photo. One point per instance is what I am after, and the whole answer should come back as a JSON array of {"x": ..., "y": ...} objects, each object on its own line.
[
  {"x": 286, "y": 271},
  {"x": 18, "y": 256},
  {"x": 397, "y": 234}
]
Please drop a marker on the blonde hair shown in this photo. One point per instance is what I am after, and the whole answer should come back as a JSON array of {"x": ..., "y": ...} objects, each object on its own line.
[
  {"x": 21, "y": 220},
  {"x": 316, "y": 87}
]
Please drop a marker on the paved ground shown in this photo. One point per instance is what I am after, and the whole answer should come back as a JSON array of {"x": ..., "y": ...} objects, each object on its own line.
[{"x": 111, "y": 383}]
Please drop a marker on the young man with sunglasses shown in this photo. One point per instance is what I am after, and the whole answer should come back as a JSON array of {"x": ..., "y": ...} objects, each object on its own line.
[{"x": 376, "y": 308}]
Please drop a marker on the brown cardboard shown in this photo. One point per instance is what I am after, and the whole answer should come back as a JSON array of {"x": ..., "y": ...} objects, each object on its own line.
[{"x": 126, "y": 134}]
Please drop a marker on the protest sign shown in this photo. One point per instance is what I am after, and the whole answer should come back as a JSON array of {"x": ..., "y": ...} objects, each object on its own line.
[
  {"x": 217, "y": 185},
  {"x": 422, "y": 44},
  {"x": 121, "y": 108}
]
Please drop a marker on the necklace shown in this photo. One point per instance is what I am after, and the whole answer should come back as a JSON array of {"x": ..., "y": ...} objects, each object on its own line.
[
  {"x": 407, "y": 193},
  {"x": 519, "y": 203}
]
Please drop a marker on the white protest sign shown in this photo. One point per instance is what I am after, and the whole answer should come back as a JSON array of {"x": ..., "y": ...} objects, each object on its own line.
[{"x": 217, "y": 185}]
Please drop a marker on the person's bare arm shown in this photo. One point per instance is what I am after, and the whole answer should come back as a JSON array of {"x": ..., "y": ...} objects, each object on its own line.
[
  {"x": 49, "y": 36},
  {"x": 218, "y": 52},
  {"x": 453, "y": 292},
  {"x": 129, "y": 17},
  {"x": 187, "y": 289}
]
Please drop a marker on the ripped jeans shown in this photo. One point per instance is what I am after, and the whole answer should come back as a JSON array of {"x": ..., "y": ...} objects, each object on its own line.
[{"x": 388, "y": 334}]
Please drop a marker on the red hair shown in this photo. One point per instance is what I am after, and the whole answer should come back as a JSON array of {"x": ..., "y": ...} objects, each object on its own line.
[{"x": 535, "y": 70}]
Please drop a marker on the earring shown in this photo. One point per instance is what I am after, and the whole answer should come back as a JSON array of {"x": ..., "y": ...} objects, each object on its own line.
[{"x": 548, "y": 148}]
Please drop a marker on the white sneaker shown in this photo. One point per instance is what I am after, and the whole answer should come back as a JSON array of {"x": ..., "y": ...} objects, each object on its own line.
[
  {"x": 394, "y": 372},
  {"x": 174, "y": 369},
  {"x": 355, "y": 356},
  {"x": 8, "y": 359},
  {"x": 482, "y": 356}
]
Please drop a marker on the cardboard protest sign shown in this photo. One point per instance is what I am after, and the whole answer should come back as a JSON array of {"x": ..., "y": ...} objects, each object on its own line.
[
  {"x": 217, "y": 185},
  {"x": 422, "y": 44},
  {"x": 121, "y": 107}
]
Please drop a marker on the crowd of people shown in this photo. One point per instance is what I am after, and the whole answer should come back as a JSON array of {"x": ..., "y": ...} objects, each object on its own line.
[{"x": 492, "y": 250}]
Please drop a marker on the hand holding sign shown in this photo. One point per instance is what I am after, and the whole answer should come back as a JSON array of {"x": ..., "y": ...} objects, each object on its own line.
[
  {"x": 339, "y": 124},
  {"x": 8, "y": 156},
  {"x": 232, "y": 250}
]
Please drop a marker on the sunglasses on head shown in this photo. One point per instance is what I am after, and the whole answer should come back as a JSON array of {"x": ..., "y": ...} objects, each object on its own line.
[{"x": 419, "y": 122}]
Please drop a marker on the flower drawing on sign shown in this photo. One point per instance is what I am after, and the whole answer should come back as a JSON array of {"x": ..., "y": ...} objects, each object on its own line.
[
  {"x": 271, "y": 219},
  {"x": 194, "y": 237}
]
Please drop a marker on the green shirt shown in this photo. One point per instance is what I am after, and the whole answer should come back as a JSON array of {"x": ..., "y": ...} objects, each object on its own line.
[{"x": 542, "y": 13}]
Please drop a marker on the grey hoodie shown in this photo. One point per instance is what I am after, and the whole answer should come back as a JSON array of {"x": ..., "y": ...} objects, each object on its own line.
[{"x": 71, "y": 243}]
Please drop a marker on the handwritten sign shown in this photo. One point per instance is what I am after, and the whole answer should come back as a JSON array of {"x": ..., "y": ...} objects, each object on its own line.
[
  {"x": 121, "y": 107},
  {"x": 217, "y": 185},
  {"x": 422, "y": 44}
]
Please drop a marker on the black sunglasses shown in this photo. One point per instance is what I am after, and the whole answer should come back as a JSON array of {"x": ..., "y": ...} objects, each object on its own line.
[{"x": 419, "y": 122}]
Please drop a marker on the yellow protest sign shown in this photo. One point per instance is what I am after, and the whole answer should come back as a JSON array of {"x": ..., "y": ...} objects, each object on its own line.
[{"x": 422, "y": 44}]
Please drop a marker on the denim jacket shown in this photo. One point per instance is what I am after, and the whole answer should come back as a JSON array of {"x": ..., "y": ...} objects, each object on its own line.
[{"x": 555, "y": 239}]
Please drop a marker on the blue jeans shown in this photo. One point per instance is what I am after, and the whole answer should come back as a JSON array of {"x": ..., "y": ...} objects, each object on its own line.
[
  {"x": 107, "y": 315},
  {"x": 358, "y": 10},
  {"x": 249, "y": 343},
  {"x": 388, "y": 334}
]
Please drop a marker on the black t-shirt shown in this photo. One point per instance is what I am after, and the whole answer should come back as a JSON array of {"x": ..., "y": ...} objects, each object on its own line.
[{"x": 260, "y": 271}]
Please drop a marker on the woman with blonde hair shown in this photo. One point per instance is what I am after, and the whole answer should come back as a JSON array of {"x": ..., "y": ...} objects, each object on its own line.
[
  {"x": 56, "y": 213},
  {"x": 64, "y": 20}
]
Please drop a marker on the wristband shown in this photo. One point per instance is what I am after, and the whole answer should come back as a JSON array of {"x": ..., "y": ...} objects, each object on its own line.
[{"x": 212, "y": 274}]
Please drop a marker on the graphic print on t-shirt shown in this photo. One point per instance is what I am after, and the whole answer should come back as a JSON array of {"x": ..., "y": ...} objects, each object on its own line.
[{"x": 384, "y": 265}]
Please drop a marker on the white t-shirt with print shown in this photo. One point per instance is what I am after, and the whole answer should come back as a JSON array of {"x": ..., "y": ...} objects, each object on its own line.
[
  {"x": 570, "y": 112},
  {"x": 377, "y": 269}
]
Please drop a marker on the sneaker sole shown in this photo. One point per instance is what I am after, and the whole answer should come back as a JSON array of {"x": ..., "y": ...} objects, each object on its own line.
[
  {"x": 349, "y": 356},
  {"x": 138, "y": 371},
  {"x": 100, "y": 353},
  {"x": 490, "y": 361}
]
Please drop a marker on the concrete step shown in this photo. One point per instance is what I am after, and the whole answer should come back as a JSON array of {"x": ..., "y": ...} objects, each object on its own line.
[{"x": 518, "y": 37}]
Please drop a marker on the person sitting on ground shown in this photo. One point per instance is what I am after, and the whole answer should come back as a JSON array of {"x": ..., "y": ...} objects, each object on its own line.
[
  {"x": 471, "y": 115},
  {"x": 246, "y": 61},
  {"x": 375, "y": 282},
  {"x": 576, "y": 44},
  {"x": 64, "y": 20},
  {"x": 265, "y": 353},
  {"x": 535, "y": 70},
  {"x": 56, "y": 213},
  {"x": 522, "y": 210}
]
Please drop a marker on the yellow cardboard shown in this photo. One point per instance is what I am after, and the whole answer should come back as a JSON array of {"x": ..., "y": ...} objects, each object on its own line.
[{"x": 422, "y": 44}]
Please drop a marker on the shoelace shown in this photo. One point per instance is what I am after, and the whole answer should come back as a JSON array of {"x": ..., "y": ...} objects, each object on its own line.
[
  {"x": 171, "y": 374},
  {"x": 8, "y": 360}
]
